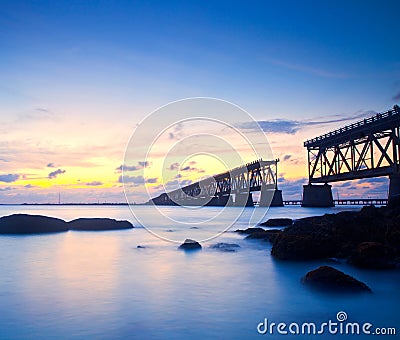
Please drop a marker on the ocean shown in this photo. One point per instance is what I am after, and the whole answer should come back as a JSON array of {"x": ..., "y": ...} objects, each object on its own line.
[{"x": 100, "y": 285}]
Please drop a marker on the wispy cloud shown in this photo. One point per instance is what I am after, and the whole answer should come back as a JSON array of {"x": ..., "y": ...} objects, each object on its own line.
[
  {"x": 140, "y": 165},
  {"x": 94, "y": 183},
  {"x": 136, "y": 180},
  {"x": 7, "y": 189},
  {"x": 9, "y": 178},
  {"x": 54, "y": 174},
  {"x": 288, "y": 126},
  {"x": 396, "y": 96},
  {"x": 316, "y": 71}
]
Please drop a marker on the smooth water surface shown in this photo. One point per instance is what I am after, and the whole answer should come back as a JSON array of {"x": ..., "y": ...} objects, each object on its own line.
[{"x": 81, "y": 285}]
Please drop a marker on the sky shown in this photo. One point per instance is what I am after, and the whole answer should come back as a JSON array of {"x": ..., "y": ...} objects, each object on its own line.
[{"x": 77, "y": 77}]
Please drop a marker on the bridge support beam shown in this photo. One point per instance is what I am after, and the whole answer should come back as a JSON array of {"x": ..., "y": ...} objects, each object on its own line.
[
  {"x": 244, "y": 200},
  {"x": 394, "y": 189},
  {"x": 271, "y": 197},
  {"x": 317, "y": 196}
]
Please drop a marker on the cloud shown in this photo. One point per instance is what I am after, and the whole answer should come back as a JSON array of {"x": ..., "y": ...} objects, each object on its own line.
[
  {"x": 289, "y": 126},
  {"x": 7, "y": 189},
  {"x": 144, "y": 164},
  {"x": 94, "y": 183},
  {"x": 28, "y": 186},
  {"x": 54, "y": 174},
  {"x": 127, "y": 168},
  {"x": 309, "y": 69},
  {"x": 396, "y": 96},
  {"x": 174, "y": 166},
  {"x": 9, "y": 178},
  {"x": 50, "y": 165},
  {"x": 136, "y": 180},
  {"x": 124, "y": 167}
]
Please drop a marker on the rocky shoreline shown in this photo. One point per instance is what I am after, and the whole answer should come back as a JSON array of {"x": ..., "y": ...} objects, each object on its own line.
[
  {"x": 369, "y": 239},
  {"x": 35, "y": 224}
]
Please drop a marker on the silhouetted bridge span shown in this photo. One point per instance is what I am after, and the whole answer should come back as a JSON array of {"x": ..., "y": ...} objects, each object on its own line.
[
  {"x": 233, "y": 187},
  {"x": 367, "y": 148}
]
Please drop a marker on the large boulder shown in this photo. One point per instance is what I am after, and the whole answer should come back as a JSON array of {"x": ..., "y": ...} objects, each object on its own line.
[
  {"x": 190, "y": 244},
  {"x": 329, "y": 278},
  {"x": 338, "y": 235},
  {"x": 31, "y": 224},
  {"x": 277, "y": 222},
  {"x": 265, "y": 235},
  {"x": 373, "y": 255},
  {"x": 92, "y": 224}
]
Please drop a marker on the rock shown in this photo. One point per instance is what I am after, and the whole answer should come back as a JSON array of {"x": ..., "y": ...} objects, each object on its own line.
[
  {"x": 31, "y": 224},
  {"x": 373, "y": 255},
  {"x": 190, "y": 245},
  {"x": 91, "y": 224},
  {"x": 326, "y": 277},
  {"x": 227, "y": 247},
  {"x": 266, "y": 235},
  {"x": 249, "y": 230},
  {"x": 277, "y": 222}
]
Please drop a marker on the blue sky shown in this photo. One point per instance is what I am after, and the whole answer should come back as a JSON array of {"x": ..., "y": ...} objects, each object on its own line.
[{"x": 98, "y": 67}]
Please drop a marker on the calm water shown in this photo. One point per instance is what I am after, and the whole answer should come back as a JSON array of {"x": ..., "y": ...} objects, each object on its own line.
[{"x": 80, "y": 285}]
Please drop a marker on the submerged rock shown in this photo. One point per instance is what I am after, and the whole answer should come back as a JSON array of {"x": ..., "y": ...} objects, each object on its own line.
[
  {"x": 190, "y": 244},
  {"x": 326, "y": 277},
  {"x": 277, "y": 222},
  {"x": 31, "y": 224},
  {"x": 373, "y": 255},
  {"x": 227, "y": 247},
  {"x": 88, "y": 224}
]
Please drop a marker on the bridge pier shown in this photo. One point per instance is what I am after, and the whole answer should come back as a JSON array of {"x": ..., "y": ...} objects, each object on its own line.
[
  {"x": 244, "y": 200},
  {"x": 271, "y": 197},
  {"x": 394, "y": 189},
  {"x": 317, "y": 196}
]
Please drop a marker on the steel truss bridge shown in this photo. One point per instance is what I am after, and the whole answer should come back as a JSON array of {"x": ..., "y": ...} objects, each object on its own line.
[
  {"x": 367, "y": 148},
  {"x": 217, "y": 190}
]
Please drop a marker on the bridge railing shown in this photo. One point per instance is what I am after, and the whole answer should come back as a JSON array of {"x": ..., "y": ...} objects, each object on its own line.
[{"x": 377, "y": 117}]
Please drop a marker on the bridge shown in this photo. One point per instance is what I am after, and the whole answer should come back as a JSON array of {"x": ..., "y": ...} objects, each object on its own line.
[
  {"x": 364, "y": 149},
  {"x": 232, "y": 187}
]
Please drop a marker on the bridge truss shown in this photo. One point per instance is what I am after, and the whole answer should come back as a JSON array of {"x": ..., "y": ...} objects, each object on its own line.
[
  {"x": 367, "y": 148},
  {"x": 216, "y": 190}
]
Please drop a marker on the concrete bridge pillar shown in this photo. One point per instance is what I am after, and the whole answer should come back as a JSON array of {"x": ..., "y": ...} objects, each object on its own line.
[
  {"x": 244, "y": 200},
  {"x": 317, "y": 196},
  {"x": 394, "y": 189},
  {"x": 271, "y": 197}
]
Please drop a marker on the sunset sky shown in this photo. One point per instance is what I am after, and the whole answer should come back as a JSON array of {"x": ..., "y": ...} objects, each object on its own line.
[{"x": 76, "y": 77}]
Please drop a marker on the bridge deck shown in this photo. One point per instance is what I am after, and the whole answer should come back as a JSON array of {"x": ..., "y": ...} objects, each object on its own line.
[{"x": 379, "y": 122}]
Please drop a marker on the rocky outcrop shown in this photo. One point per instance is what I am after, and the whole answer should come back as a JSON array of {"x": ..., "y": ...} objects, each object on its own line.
[
  {"x": 373, "y": 255},
  {"x": 225, "y": 247},
  {"x": 31, "y": 224},
  {"x": 265, "y": 235},
  {"x": 339, "y": 235},
  {"x": 190, "y": 244},
  {"x": 96, "y": 224},
  {"x": 329, "y": 278},
  {"x": 278, "y": 222}
]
